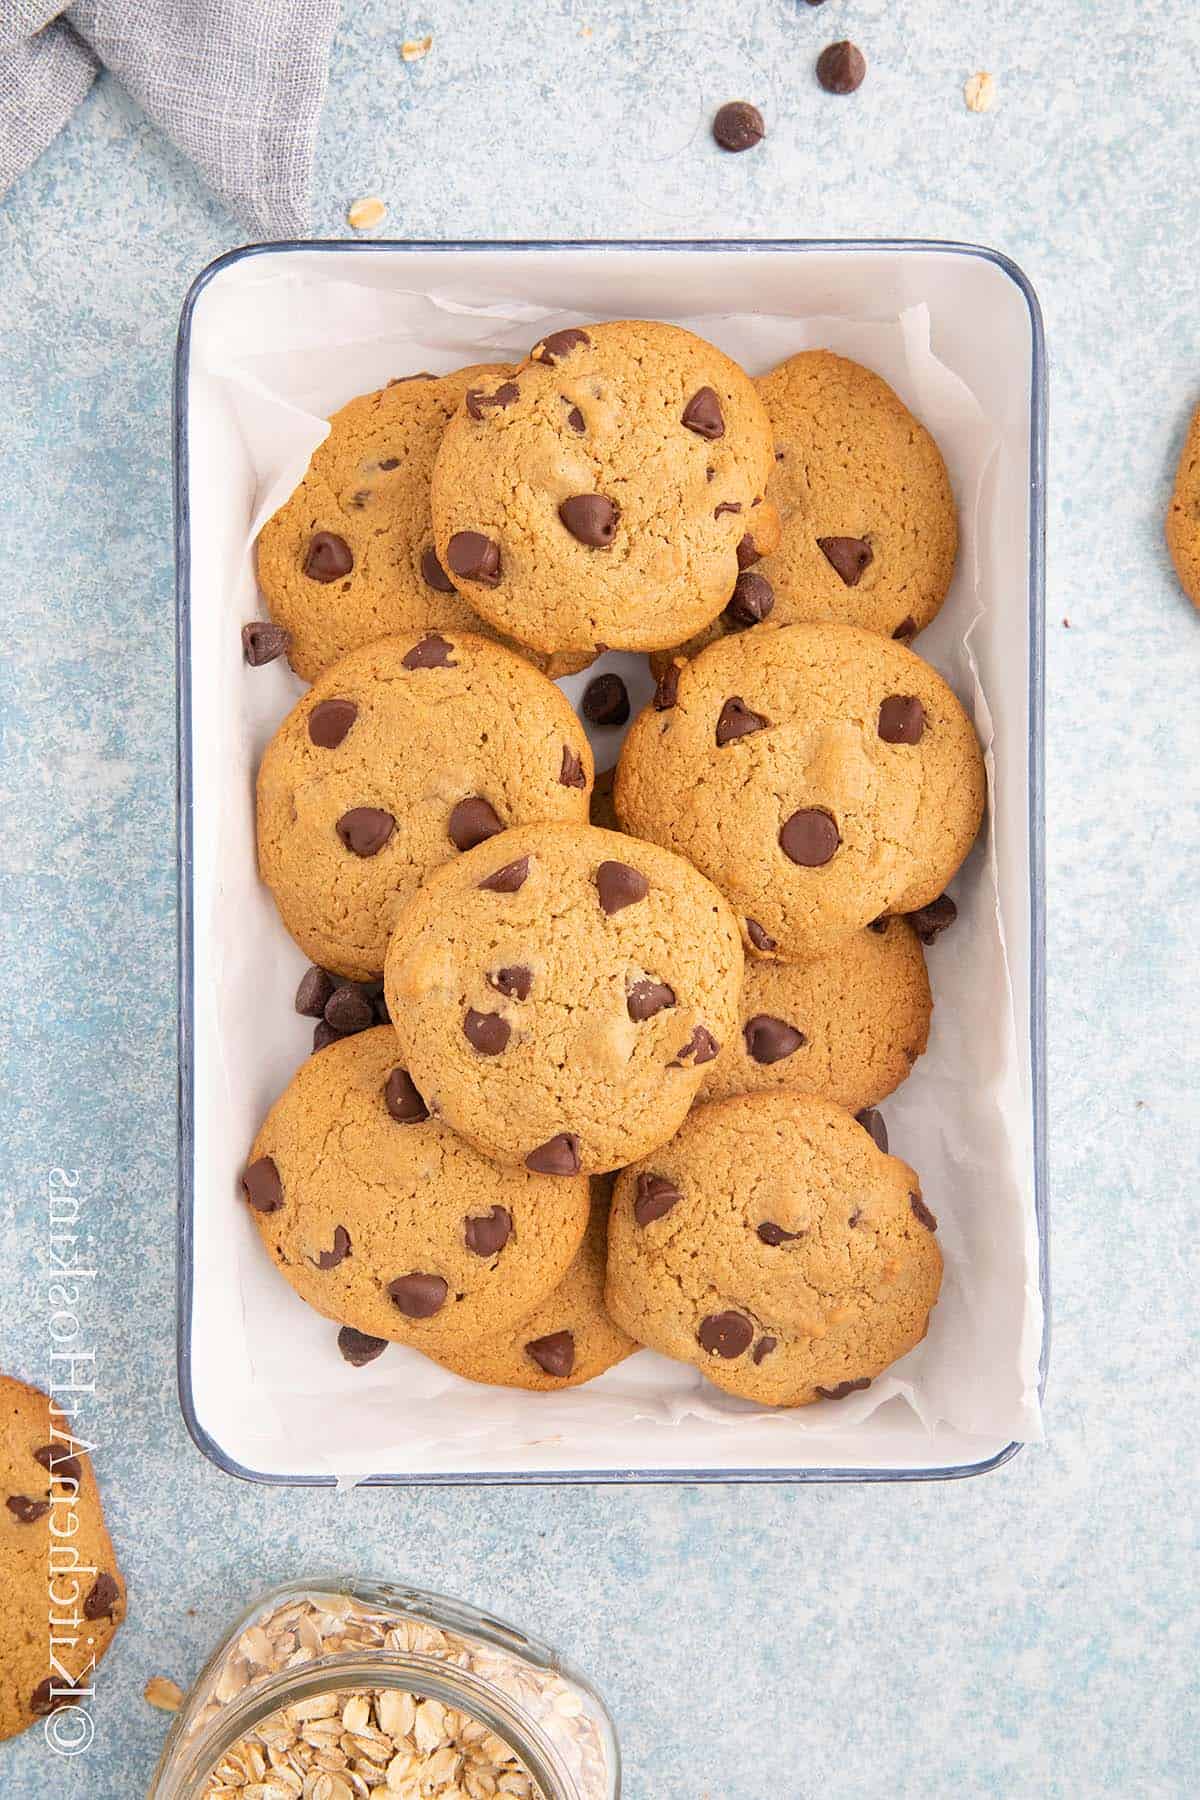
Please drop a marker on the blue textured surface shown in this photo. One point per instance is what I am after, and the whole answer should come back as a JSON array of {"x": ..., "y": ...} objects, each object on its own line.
[{"x": 1032, "y": 1633}]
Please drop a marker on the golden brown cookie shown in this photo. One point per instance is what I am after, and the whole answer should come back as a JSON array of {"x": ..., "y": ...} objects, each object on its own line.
[
  {"x": 53, "y": 1542},
  {"x": 381, "y": 1218},
  {"x": 820, "y": 775},
  {"x": 774, "y": 1246},
  {"x": 847, "y": 1027},
  {"x": 599, "y": 493},
  {"x": 557, "y": 992},
  {"x": 1183, "y": 514},
  {"x": 569, "y": 1339},
  {"x": 349, "y": 557},
  {"x": 404, "y": 753}
]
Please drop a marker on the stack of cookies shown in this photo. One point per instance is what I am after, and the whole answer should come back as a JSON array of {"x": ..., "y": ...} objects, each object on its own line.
[{"x": 582, "y": 1086}]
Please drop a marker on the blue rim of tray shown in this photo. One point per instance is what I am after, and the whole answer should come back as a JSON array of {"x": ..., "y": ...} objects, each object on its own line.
[{"x": 183, "y": 798}]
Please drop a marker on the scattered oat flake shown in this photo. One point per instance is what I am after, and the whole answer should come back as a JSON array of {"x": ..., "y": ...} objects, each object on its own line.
[
  {"x": 367, "y": 213},
  {"x": 164, "y": 1693},
  {"x": 979, "y": 91},
  {"x": 413, "y": 49}
]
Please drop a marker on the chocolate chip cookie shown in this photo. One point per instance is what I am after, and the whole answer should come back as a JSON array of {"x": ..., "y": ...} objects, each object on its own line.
[
  {"x": 52, "y": 1539},
  {"x": 405, "y": 753},
  {"x": 820, "y": 775},
  {"x": 847, "y": 1026},
  {"x": 774, "y": 1246},
  {"x": 598, "y": 494},
  {"x": 558, "y": 991},
  {"x": 381, "y": 1218},
  {"x": 1183, "y": 514}
]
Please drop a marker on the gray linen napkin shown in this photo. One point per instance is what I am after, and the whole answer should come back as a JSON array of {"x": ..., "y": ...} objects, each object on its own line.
[{"x": 238, "y": 85}]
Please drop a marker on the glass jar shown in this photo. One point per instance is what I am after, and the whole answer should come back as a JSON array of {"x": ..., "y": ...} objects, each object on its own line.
[{"x": 340, "y": 1688}]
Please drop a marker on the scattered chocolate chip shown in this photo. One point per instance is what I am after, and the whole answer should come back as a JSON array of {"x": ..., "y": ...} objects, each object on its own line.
[
  {"x": 514, "y": 983},
  {"x": 726, "y": 1334},
  {"x": 879, "y": 926},
  {"x": 873, "y": 1122},
  {"x": 752, "y": 600},
  {"x": 701, "y": 1047},
  {"x": 349, "y": 1010},
  {"x": 473, "y": 557},
  {"x": 324, "y": 1035},
  {"x": 329, "y": 721},
  {"x": 738, "y": 126},
  {"x": 645, "y": 999},
  {"x": 358, "y": 1348},
  {"x": 365, "y": 829},
  {"x": 433, "y": 652},
  {"x": 479, "y": 403},
  {"x": 559, "y": 344},
  {"x": 930, "y": 921},
  {"x": 810, "y": 837},
  {"x": 654, "y": 1198},
  {"x": 402, "y": 1099},
  {"x": 905, "y": 631},
  {"x": 774, "y": 1235},
  {"x": 619, "y": 886},
  {"x": 592, "y": 518},
  {"x": 49, "y": 1695},
  {"x": 703, "y": 414},
  {"x": 575, "y": 418},
  {"x": 922, "y": 1212},
  {"x": 389, "y": 463},
  {"x": 486, "y": 1032},
  {"x": 262, "y": 642},
  {"x": 472, "y": 822},
  {"x": 667, "y": 691},
  {"x": 727, "y": 506},
  {"x": 606, "y": 700},
  {"x": 27, "y": 1510},
  {"x": 845, "y": 1387},
  {"x": 737, "y": 720},
  {"x": 418, "y": 1296},
  {"x": 557, "y": 1156},
  {"x": 762, "y": 940},
  {"x": 555, "y": 1354},
  {"x": 748, "y": 552},
  {"x": 841, "y": 67},
  {"x": 770, "y": 1040},
  {"x": 103, "y": 1597},
  {"x": 765, "y": 1345},
  {"x": 508, "y": 879},
  {"x": 847, "y": 556},
  {"x": 487, "y": 1236},
  {"x": 328, "y": 557},
  {"x": 262, "y": 1186},
  {"x": 316, "y": 985},
  {"x": 59, "y": 1461},
  {"x": 432, "y": 572},
  {"x": 901, "y": 719},
  {"x": 570, "y": 772}
]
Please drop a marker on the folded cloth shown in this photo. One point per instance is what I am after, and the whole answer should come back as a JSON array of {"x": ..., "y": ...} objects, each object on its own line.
[{"x": 237, "y": 84}]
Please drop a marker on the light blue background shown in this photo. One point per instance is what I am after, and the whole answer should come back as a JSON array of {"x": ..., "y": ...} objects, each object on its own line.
[{"x": 1031, "y": 1633}]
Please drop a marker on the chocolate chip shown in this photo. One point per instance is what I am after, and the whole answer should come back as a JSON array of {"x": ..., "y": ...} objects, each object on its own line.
[
  {"x": 421, "y": 375},
  {"x": 930, "y": 921},
  {"x": 329, "y": 1259},
  {"x": 433, "y": 652},
  {"x": 559, "y": 344},
  {"x": 508, "y": 879},
  {"x": 606, "y": 700},
  {"x": 703, "y": 414},
  {"x": 847, "y": 556},
  {"x": 905, "y": 631},
  {"x": 262, "y": 1186},
  {"x": 365, "y": 829},
  {"x": 770, "y": 1040},
  {"x": 555, "y": 1354},
  {"x": 27, "y": 1510},
  {"x": 845, "y": 1387},
  {"x": 49, "y": 1695},
  {"x": 472, "y": 822},
  {"x": 810, "y": 837},
  {"x": 349, "y": 1010},
  {"x": 402, "y": 1099},
  {"x": 726, "y": 1334},
  {"x": 872, "y": 1122},
  {"x": 654, "y": 1198},
  {"x": 570, "y": 772},
  {"x": 737, "y": 720},
  {"x": 647, "y": 998},
  {"x": 727, "y": 506},
  {"x": 316, "y": 985},
  {"x": 774, "y": 1235},
  {"x": 486, "y": 1032},
  {"x": 592, "y": 518},
  {"x": 389, "y": 463},
  {"x": 324, "y": 1035},
  {"x": 557, "y": 1156},
  {"x": 473, "y": 557},
  {"x": 479, "y": 403},
  {"x": 487, "y": 1236},
  {"x": 61, "y": 1464},
  {"x": 262, "y": 642},
  {"x": 619, "y": 886},
  {"x": 701, "y": 1047},
  {"x": 763, "y": 1349},
  {"x": 514, "y": 983},
  {"x": 879, "y": 926},
  {"x": 358, "y": 1348},
  {"x": 762, "y": 940},
  {"x": 329, "y": 721},
  {"x": 922, "y": 1212},
  {"x": 841, "y": 67},
  {"x": 748, "y": 552},
  {"x": 432, "y": 572},
  {"x": 576, "y": 420},
  {"x": 418, "y": 1296},
  {"x": 667, "y": 691},
  {"x": 102, "y": 1598},
  {"x": 752, "y": 600},
  {"x": 328, "y": 557},
  {"x": 738, "y": 126},
  {"x": 901, "y": 719}
]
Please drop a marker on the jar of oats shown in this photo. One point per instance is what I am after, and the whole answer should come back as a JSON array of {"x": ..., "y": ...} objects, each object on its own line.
[{"x": 339, "y": 1689}]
